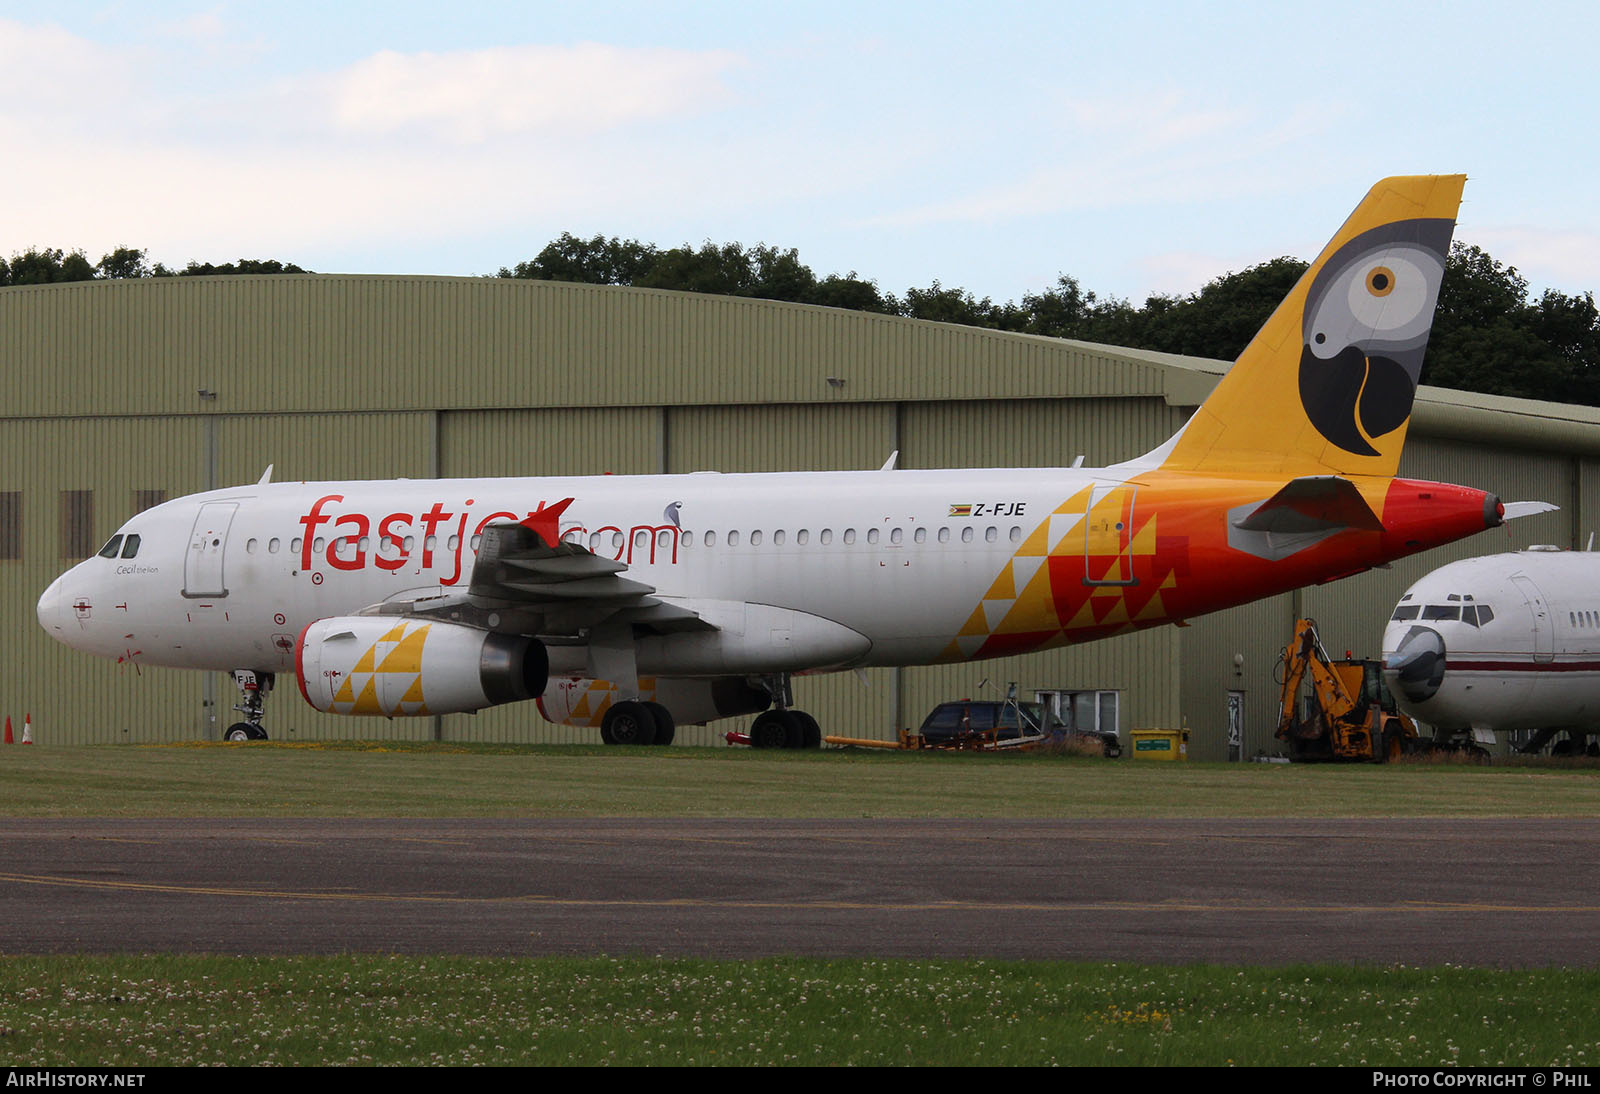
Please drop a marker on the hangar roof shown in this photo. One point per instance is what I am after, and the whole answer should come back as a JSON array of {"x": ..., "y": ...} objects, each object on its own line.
[{"x": 350, "y": 343}]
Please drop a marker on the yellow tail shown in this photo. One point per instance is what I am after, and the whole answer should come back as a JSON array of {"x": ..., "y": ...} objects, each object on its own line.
[{"x": 1326, "y": 386}]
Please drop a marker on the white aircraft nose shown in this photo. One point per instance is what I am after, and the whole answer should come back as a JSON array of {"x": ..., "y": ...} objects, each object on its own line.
[{"x": 49, "y": 609}]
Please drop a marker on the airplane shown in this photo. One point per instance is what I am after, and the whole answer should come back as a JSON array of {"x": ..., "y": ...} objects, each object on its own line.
[
  {"x": 635, "y": 603},
  {"x": 1506, "y": 642}
]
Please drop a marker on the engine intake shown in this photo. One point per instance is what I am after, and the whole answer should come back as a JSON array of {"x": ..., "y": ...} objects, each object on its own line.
[{"x": 410, "y": 668}]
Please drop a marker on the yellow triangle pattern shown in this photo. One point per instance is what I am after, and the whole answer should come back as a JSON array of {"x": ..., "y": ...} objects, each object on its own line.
[{"x": 390, "y": 666}]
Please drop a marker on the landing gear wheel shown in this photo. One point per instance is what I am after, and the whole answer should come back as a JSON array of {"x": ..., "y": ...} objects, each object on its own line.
[
  {"x": 776, "y": 729},
  {"x": 810, "y": 732},
  {"x": 244, "y": 731},
  {"x": 666, "y": 728},
  {"x": 629, "y": 723}
]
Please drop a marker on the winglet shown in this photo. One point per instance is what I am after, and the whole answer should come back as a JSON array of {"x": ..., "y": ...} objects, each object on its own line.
[{"x": 546, "y": 522}]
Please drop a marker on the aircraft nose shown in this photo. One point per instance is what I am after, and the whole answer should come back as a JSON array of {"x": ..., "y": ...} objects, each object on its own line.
[
  {"x": 49, "y": 608},
  {"x": 1416, "y": 667}
]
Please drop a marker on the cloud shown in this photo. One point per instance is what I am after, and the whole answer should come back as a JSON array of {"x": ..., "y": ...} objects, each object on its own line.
[
  {"x": 1548, "y": 258},
  {"x": 475, "y": 95}
]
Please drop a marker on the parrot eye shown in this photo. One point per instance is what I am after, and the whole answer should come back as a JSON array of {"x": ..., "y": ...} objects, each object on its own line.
[{"x": 1380, "y": 281}]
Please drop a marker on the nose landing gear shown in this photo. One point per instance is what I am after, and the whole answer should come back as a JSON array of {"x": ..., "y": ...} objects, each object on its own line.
[{"x": 254, "y": 687}]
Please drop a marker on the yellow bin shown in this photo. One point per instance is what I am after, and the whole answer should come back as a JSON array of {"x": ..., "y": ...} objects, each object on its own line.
[{"x": 1160, "y": 744}]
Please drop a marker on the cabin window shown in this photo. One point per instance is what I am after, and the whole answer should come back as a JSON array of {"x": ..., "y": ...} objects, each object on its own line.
[
  {"x": 295, "y": 544},
  {"x": 920, "y": 535},
  {"x": 454, "y": 543},
  {"x": 251, "y": 544},
  {"x": 411, "y": 541},
  {"x": 966, "y": 534},
  {"x": 473, "y": 542},
  {"x": 112, "y": 548},
  {"x": 777, "y": 538},
  {"x": 711, "y": 539},
  {"x": 896, "y": 536},
  {"x": 872, "y": 535},
  {"x": 274, "y": 545},
  {"x": 319, "y": 543},
  {"x": 616, "y": 541},
  {"x": 827, "y": 536},
  {"x": 755, "y": 538},
  {"x": 733, "y": 539},
  {"x": 802, "y": 537},
  {"x": 849, "y": 536},
  {"x": 1016, "y": 534},
  {"x": 991, "y": 534},
  {"x": 944, "y": 535}
]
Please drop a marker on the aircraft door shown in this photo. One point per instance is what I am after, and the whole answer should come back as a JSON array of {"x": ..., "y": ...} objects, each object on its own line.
[
  {"x": 208, "y": 541},
  {"x": 1108, "y": 531},
  {"x": 1544, "y": 650}
]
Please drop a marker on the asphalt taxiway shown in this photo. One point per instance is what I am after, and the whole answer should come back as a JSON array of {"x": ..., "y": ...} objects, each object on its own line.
[{"x": 1470, "y": 892}]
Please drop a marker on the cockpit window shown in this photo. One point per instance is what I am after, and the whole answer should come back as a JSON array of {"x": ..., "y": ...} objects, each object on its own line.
[
  {"x": 1442, "y": 611},
  {"x": 130, "y": 546},
  {"x": 1406, "y": 611},
  {"x": 112, "y": 546}
]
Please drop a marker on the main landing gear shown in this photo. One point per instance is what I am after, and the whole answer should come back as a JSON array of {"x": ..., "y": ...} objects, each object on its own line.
[
  {"x": 783, "y": 727},
  {"x": 254, "y": 687},
  {"x": 635, "y": 722}
]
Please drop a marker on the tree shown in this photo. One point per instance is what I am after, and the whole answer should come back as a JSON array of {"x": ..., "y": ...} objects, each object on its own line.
[{"x": 121, "y": 263}]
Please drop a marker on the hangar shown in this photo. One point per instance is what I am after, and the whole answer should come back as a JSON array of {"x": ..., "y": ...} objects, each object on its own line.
[{"x": 121, "y": 394}]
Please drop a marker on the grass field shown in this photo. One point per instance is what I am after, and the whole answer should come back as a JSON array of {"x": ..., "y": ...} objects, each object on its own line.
[
  {"x": 391, "y": 780},
  {"x": 141, "y": 1010}
]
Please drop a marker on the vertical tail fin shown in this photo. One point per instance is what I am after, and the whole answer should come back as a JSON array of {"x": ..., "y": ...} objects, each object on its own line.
[{"x": 1326, "y": 386}]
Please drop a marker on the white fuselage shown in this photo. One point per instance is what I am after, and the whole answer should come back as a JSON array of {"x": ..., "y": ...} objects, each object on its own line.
[
  {"x": 1504, "y": 642},
  {"x": 228, "y": 579}
]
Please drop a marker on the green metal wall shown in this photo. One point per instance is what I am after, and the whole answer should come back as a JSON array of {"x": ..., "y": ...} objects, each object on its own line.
[{"x": 181, "y": 384}]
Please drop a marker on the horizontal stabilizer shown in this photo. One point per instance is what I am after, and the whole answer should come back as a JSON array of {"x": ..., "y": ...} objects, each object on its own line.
[
  {"x": 1314, "y": 503},
  {"x": 1515, "y": 509}
]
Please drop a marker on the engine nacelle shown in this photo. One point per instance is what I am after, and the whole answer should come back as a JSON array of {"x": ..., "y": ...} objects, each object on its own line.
[
  {"x": 409, "y": 667},
  {"x": 580, "y": 701}
]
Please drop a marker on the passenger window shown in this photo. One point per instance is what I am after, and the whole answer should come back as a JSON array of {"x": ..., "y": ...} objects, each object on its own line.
[
  {"x": 827, "y": 536},
  {"x": 755, "y": 538},
  {"x": 802, "y": 537},
  {"x": 475, "y": 541},
  {"x": 274, "y": 545},
  {"x": 872, "y": 535},
  {"x": 295, "y": 544},
  {"x": 251, "y": 544},
  {"x": 849, "y": 535},
  {"x": 920, "y": 536},
  {"x": 711, "y": 539},
  {"x": 944, "y": 535},
  {"x": 733, "y": 539},
  {"x": 130, "y": 547},
  {"x": 966, "y": 534},
  {"x": 777, "y": 538},
  {"x": 454, "y": 543},
  {"x": 991, "y": 534},
  {"x": 113, "y": 545},
  {"x": 1016, "y": 534},
  {"x": 319, "y": 543}
]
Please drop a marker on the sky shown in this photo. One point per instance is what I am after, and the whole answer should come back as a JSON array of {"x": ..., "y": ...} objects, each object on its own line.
[{"x": 996, "y": 147}]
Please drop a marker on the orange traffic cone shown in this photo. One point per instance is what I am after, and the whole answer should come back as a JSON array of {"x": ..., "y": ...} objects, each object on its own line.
[
  {"x": 27, "y": 729},
  {"x": 8, "y": 729}
]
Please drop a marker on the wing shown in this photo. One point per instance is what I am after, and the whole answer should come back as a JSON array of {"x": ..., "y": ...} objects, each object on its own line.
[{"x": 527, "y": 580}]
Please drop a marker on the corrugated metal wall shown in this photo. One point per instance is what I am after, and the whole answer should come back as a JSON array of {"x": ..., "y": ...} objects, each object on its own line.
[{"x": 178, "y": 384}]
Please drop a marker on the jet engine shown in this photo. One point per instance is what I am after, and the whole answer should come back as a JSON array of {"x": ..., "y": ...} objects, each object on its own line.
[
  {"x": 409, "y": 667},
  {"x": 580, "y": 701}
]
